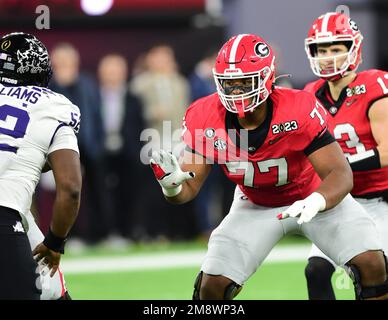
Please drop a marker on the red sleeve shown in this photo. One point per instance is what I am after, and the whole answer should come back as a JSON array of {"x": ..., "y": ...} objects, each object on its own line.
[
  {"x": 192, "y": 127},
  {"x": 313, "y": 86},
  {"x": 188, "y": 126},
  {"x": 309, "y": 87},
  {"x": 377, "y": 86}
]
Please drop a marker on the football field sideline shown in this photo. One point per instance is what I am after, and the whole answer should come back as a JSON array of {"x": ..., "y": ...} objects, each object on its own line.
[{"x": 169, "y": 260}]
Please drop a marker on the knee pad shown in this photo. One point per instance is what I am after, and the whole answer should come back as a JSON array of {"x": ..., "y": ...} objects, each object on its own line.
[
  {"x": 318, "y": 273},
  {"x": 363, "y": 292},
  {"x": 232, "y": 290},
  {"x": 318, "y": 268},
  {"x": 197, "y": 286}
]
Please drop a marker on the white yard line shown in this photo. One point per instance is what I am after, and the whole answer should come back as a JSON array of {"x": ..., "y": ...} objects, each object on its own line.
[{"x": 192, "y": 258}]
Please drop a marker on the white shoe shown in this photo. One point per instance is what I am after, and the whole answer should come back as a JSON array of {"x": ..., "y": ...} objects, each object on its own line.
[{"x": 75, "y": 246}]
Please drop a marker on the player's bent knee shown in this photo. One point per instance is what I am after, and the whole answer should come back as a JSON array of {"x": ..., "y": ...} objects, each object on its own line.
[
  {"x": 372, "y": 266},
  {"x": 215, "y": 287},
  {"x": 363, "y": 292},
  {"x": 318, "y": 269}
]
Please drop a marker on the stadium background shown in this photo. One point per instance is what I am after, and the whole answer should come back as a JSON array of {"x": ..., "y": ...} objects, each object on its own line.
[{"x": 156, "y": 252}]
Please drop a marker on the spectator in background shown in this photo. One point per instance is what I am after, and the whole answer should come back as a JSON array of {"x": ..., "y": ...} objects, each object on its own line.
[
  {"x": 123, "y": 123},
  {"x": 201, "y": 79},
  {"x": 282, "y": 78},
  {"x": 165, "y": 95},
  {"x": 163, "y": 90},
  {"x": 83, "y": 91}
]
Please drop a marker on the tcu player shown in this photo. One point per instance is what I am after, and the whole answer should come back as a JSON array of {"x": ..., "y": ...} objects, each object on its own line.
[
  {"x": 37, "y": 126},
  {"x": 274, "y": 144},
  {"x": 357, "y": 106}
]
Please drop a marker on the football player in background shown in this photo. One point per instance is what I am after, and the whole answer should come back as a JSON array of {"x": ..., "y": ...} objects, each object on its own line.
[
  {"x": 274, "y": 144},
  {"x": 37, "y": 127},
  {"x": 357, "y": 106}
]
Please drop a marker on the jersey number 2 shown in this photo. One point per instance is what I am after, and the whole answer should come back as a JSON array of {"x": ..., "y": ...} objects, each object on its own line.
[{"x": 13, "y": 123}]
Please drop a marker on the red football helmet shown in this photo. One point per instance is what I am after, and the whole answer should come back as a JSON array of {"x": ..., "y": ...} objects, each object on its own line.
[
  {"x": 330, "y": 28},
  {"x": 245, "y": 56}
]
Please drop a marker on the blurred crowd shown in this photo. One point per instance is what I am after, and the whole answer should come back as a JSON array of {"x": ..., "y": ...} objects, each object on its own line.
[{"x": 121, "y": 201}]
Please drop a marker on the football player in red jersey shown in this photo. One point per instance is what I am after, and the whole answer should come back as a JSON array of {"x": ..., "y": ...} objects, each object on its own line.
[
  {"x": 274, "y": 144},
  {"x": 357, "y": 106}
]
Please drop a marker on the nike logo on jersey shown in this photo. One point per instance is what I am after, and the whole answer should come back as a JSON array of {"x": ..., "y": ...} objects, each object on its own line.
[
  {"x": 271, "y": 142},
  {"x": 348, "y": 103}
]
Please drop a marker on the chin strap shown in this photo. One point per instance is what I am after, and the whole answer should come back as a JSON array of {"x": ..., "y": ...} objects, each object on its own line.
[{"x": 286, "y": 75}]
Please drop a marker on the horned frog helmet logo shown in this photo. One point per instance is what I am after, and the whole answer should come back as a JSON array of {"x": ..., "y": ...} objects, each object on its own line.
[{"x": 32, "y": 59}]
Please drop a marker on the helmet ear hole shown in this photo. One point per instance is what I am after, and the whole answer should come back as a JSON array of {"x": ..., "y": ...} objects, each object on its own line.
[
  {"x": 313, "y": 49},
  {"x": 348, "y": 44}
]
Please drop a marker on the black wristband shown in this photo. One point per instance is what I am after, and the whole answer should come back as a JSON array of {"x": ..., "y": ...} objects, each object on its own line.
[
  {"x": 54, "y": 243},
  {"x": 365, "y": 162}
]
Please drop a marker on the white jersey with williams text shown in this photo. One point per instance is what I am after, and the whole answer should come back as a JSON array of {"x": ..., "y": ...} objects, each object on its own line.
[{"x": 34, "y": 122}]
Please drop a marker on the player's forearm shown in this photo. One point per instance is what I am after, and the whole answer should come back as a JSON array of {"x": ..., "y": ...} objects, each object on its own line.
[
  {"x": 187, "y": 194},
  {"x": 383, "y": 153},
  {"x": 65, "y": 211},
  {"x": 335, "y": 186}
]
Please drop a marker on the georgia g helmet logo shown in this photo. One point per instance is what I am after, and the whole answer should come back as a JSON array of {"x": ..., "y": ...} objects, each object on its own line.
[
  {"x": 353, "y": 25},
  {"x": 261, "y": 49}
]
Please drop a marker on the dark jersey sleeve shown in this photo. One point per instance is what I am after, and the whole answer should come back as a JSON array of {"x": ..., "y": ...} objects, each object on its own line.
[{"x": 323, "y": 139}]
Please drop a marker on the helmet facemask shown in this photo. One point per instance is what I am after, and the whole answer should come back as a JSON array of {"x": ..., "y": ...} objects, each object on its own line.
[
  {"x": 254, "y": 91},
  {"x": 337, "y": 71}
]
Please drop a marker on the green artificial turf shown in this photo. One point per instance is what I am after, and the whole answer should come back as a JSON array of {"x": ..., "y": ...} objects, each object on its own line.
[{"x": 279, "y": 281}]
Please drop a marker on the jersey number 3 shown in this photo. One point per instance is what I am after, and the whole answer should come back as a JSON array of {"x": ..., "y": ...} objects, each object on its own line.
[{"x": 353, "y": 141}]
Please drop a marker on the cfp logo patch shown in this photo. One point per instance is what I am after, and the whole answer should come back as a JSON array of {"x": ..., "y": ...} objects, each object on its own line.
[
  {"x": 5, "y": 45},
  {"x": 356, "y": 90},
  {"x": 285, "y": 127},
  {"x": 220, "y": 144},
  {"x": 261, "y": 50}
]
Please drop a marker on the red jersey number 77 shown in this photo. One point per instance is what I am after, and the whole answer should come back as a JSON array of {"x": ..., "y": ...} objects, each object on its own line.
[{"x": 316, "y": 113}]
